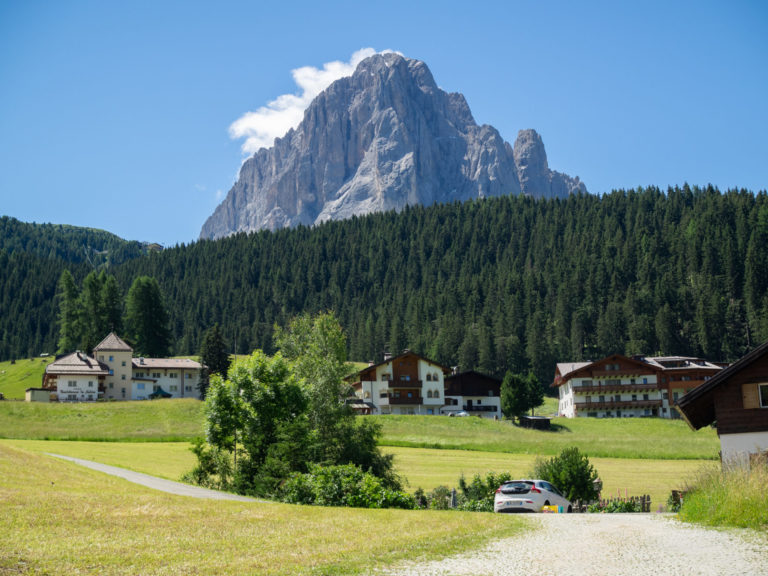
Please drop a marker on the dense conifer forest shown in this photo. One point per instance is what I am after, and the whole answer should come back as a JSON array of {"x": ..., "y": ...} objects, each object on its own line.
[{"x": 498, "y": 284}]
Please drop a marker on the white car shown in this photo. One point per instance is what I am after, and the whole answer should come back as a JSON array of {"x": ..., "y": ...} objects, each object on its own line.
[{"x": 528, "y": 496}]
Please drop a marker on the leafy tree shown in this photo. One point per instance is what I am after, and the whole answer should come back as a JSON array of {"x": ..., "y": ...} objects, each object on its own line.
[
  {"x": 146, "y": 318},
  {"x": 570, "y": 472},
  {"x": 520, "y": 393}
]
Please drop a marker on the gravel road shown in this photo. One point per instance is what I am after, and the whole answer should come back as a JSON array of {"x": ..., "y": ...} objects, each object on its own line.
[
  {"x": 610, "y": 544},
  {"x": 156, "y": 483}
]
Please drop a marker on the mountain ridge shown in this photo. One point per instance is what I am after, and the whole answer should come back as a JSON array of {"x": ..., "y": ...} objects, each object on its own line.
[{"x": 381, "y": 139}]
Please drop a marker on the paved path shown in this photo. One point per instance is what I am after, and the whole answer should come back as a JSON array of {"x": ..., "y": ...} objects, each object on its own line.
[
  {"x": 156, "y": 483},
  {"x": 609, "y": 545}
]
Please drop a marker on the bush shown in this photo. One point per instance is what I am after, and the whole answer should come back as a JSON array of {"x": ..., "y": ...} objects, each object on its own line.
[
  {"x": 342, "y": 485},
  {"x": 478, "y": 495},
  {"x": 616, "y": 506},
  {"x": 213, "y": 468},
  {"x": 570, "y": 472}
]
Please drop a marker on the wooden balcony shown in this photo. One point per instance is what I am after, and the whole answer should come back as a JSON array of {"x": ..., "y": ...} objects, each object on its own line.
[
  {"x": 405, "y": 400},
  {"x": 617, "y": 404},
  {"x": 608, "y": 388}
]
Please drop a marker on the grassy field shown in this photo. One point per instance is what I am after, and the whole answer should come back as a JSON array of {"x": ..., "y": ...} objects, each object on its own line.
[
  {"x": 160, "y": 420},
  {"x": 22, "y": 374},
  {"x": 634, "y": 438},
  {"x": 420, "y": 467},
  {"x": 60, "y": 518},
  {"x": 175, "y": 420},
  {"x": 734, "y": 498}
]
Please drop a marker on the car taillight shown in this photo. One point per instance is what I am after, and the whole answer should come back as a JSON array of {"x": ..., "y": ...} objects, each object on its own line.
[
  {"x": 498, "y": 490},
  {"x": 535, "y": 490}
]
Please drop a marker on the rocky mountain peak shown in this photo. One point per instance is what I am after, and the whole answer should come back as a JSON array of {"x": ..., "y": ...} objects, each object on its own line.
[{"x": 381, "y": 139}]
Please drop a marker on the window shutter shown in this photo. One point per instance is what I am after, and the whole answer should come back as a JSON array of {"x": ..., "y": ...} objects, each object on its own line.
[{"x": 750, "y": 396}]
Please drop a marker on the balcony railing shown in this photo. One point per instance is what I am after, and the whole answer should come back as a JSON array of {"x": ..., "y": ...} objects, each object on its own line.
[
  {"x": 404, "y": 400},
  {"x": 403, "y": 383},
  {"x": 617, "y": 404},
  {"x": 604, "y": 388},
  {"x": 474, "y": 408}
]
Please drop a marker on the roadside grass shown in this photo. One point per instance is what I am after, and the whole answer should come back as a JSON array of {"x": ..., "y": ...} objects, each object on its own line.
[
  {"x": 158, "y": 420},
  {"x": 635, "y": 438},
  {"x": 22, "y": 374},
  {"x": 732, "y": 497},
  {"x": 420, "y": 467},
  {"x": 60, "y": 518}
]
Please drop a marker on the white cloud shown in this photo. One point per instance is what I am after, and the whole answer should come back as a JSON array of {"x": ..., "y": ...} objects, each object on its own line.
[{"x": 260, "y": 128}]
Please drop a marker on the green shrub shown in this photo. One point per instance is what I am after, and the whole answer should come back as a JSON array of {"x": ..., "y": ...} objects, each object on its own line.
[
  {"x": 342, "y": 485},
  {"x": 478, "y": 494},
  {"x": 570, "y": 472},
  {"x": 615, "y": 506}
]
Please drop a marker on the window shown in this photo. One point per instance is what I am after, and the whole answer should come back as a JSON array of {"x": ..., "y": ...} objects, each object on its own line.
[
  {"x": 111, "y": 385},
  {"x": 634, "y": 397},
  {"x": 123, "y": 363},
  {"x": 763, "y": 395},
  {"x": 645, "y": 380},
  {"x": 71, "y": 383},
  {"x": 645, "y": 397},
  {"x": 122, "y": 377},
  {"x": 429, "y": 393},
  {"x": 675, "y": 395},
  {"x": 155, "y": 388},
  {"x": 140, "y": 386},
  {"x": 111, "y": 358},
  {"x": 173, "y": 375},
  {"x": 155, "y": 374},
  {"x": 436, "y": 394},
  {"x": 632, "y": 381},
  {"x": 429, "y": 378},
  {"x": 111, "y": 372},
  {"x": 589, "y": 399},
  {"x": 139, "y": 375},
  {"x": 189, "y": 389},
  {"x": 173, "y": 388},
  {"x": 90, "y": 384},
  {"x": 188, "y": 376},
  {"x": 101, "y": 357}
]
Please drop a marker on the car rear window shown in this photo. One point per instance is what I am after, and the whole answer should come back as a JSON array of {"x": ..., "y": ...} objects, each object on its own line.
[{"x": 516, "y": 488}]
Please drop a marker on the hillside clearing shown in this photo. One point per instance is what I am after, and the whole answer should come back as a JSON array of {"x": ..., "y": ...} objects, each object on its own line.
[{"x": 17, "y": 376}]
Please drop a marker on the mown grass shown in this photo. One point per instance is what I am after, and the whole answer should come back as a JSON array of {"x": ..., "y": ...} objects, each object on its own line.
[
  {"x": 22, "y": 374},
  {"x": 732, "y": 497},
  {"x": 420, "y": 467},
  {"x": 59, "y": 518},
  {"x": 182, "y": 419},
  {"x": 158, "y": 420},
  {"x": 634, "y": 438}
]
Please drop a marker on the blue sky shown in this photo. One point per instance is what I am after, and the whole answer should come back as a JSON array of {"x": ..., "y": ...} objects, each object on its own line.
[{"x": 117, "y": 115}]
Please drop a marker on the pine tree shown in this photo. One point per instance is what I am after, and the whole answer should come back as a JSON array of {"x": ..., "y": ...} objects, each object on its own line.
[
  {"x": 147, "y": 319},
  {"x": 70, "y": 313}
]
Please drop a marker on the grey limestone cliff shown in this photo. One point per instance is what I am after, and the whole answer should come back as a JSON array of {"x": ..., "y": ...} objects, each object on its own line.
[{"x": 381, "y": 139}]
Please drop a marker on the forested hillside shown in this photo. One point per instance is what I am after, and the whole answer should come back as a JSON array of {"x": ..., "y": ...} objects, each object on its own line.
[{"x": 497, "y": 284}]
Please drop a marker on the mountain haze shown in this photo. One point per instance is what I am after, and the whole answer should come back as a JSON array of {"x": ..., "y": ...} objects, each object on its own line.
[{"x": 381, "y": 139}]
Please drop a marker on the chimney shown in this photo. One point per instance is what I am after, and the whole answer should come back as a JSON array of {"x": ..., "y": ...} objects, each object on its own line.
[{"x": 387, "y": 356}]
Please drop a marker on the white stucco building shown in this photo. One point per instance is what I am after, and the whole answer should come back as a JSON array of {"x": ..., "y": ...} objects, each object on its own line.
[{"x": 112, "y": 373}]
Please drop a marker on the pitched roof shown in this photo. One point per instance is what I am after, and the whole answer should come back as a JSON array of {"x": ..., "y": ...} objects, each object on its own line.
[
  {"x": 159, "y": 363},
  {"x": 113, "y": 343},
  {"x": 697, "y": 407},
  {"x": 77, "y": 363},
  {"x": 392, "y": 359}
]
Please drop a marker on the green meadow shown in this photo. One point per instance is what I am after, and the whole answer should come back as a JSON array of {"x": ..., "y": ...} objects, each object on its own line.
[
  {"x": 421, "y": 467},
  {"x": 61, "y": 518},
  {"x": 178, "y": 420},
  {"x": 17, "y": 376}
]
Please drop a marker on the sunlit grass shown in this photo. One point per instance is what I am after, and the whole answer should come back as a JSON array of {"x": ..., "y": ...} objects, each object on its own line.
[
  {"x": 733, "y": 497},
  {"x": 59, "y": 518},
  {"x": 170, "y": 420},
  {"x": 25, "y": 373},
  {"x": 636, "y": 438},
  {"x": 420, "y": 467}
]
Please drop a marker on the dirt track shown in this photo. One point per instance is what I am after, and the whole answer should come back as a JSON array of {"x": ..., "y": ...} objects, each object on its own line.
[{"x": 610, "y": 544}]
